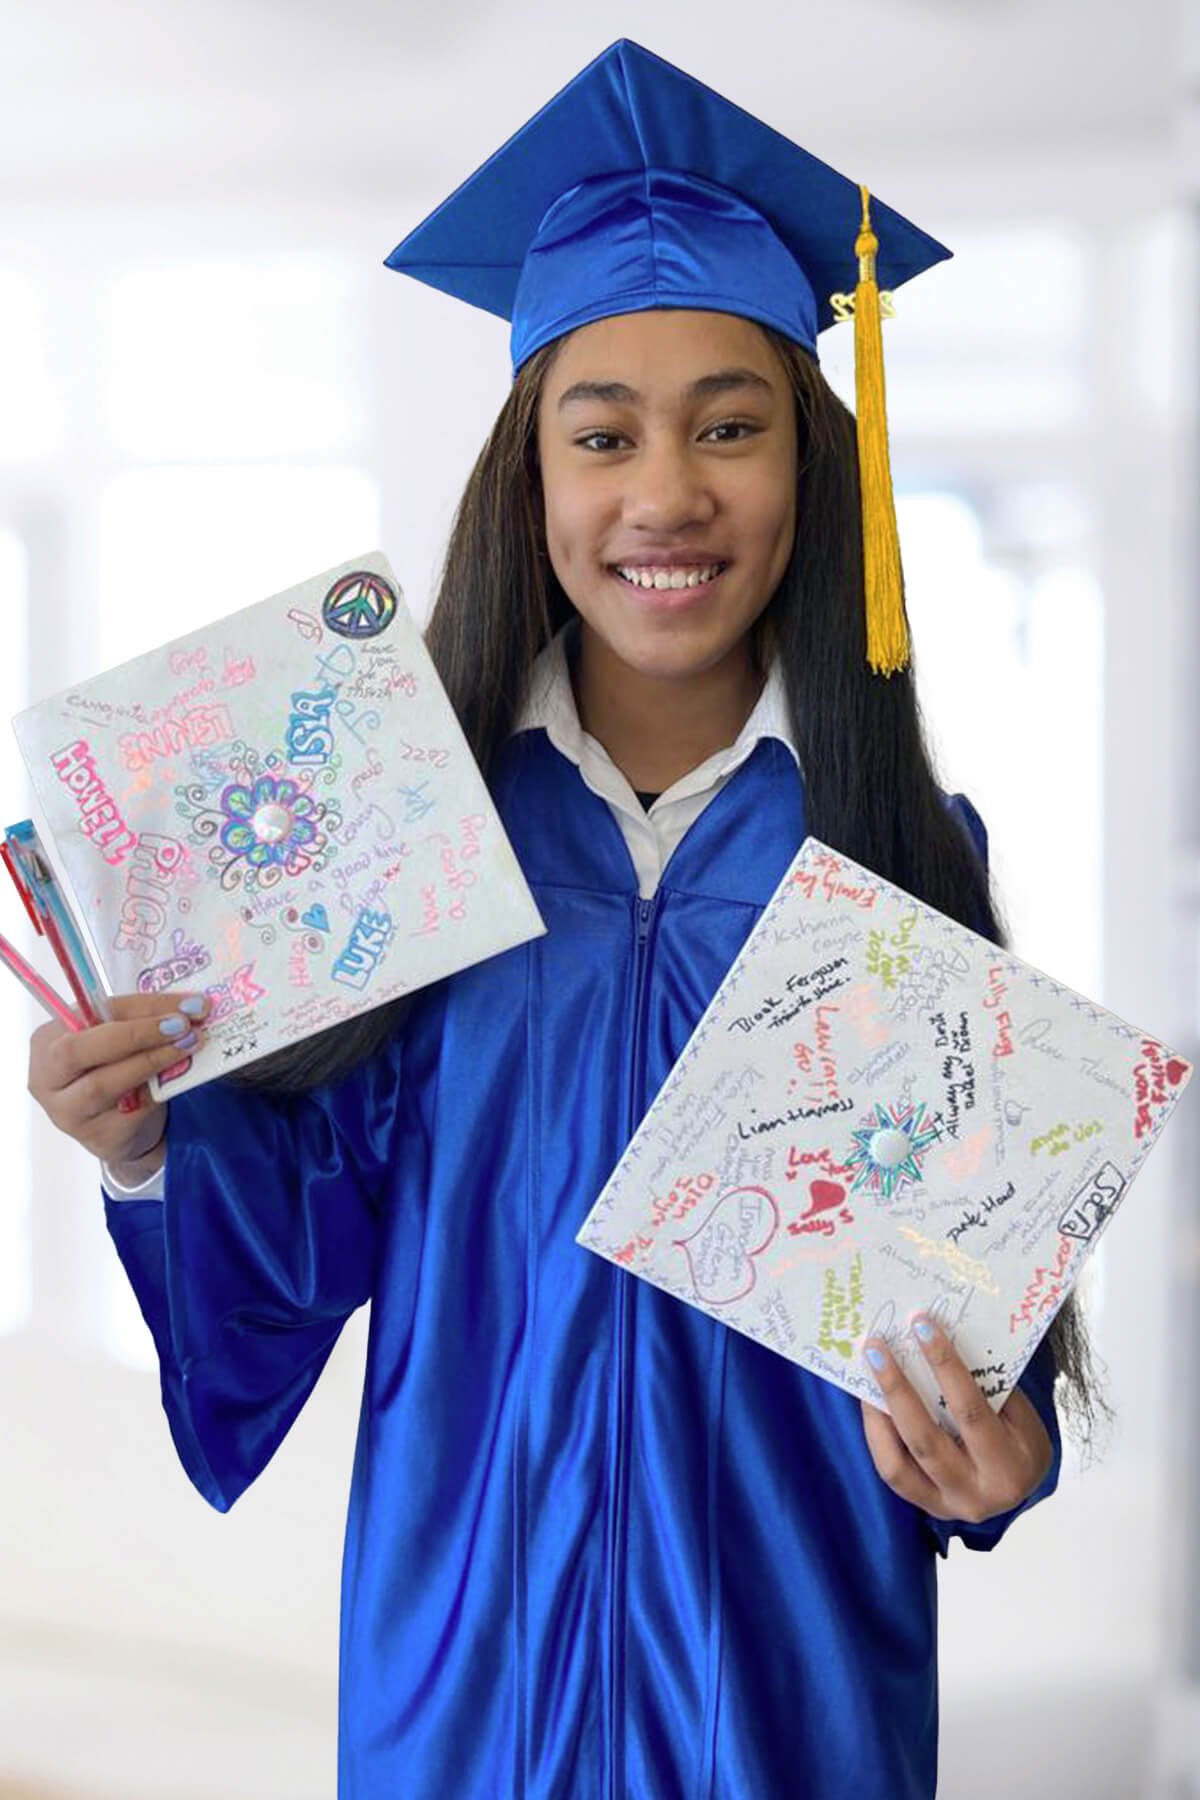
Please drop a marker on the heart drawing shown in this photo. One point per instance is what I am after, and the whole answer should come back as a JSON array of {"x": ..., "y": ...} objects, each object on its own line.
[
  {"x": 317, "y": 917},
  {"x": 824, "y": 1195},
  {"x": 721, "y": 1253}
]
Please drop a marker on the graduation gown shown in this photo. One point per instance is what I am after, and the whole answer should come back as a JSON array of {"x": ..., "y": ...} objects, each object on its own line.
[{"x": 598, "y": 1544}]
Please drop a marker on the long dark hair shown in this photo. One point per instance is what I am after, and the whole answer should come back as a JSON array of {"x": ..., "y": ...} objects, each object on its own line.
[{"x": 870, "y": 783}]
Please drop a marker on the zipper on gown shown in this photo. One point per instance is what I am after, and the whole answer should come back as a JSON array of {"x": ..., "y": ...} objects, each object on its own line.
[{"x": 644, "y": 916}]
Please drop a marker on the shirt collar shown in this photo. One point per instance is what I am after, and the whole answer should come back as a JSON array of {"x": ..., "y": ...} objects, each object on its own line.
[{"x": 550, "y": 705}]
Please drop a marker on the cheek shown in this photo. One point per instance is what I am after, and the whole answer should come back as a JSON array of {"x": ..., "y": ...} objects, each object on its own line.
[
  {"x": 786, "y": 528},
  {"x": 553, "y": 496},
  {"x": 574, "y": 524},
  {"x": 768, "y": 514}
]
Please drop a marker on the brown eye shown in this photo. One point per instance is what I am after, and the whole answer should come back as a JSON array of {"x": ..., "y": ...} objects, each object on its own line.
[
  {"x": 742, "y": 425},
  {"x": 586, "y": 443}
]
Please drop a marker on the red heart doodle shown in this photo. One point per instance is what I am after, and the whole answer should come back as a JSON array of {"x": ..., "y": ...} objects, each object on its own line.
[
  {"x": 1176, "y": 1070},
  {"x": 824, "y": 1195}
]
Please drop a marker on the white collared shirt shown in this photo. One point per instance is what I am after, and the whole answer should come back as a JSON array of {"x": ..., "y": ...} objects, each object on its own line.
[{"x": 651, "y": 835}]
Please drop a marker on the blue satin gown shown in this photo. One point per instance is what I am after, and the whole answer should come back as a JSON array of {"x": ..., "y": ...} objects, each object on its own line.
[{"x": 599, "y": 1545}]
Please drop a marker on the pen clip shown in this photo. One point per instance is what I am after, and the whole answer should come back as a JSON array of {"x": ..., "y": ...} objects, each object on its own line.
[{"x": 18, "y": 882}]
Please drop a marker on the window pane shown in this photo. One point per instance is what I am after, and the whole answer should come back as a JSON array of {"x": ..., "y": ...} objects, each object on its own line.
[
  {"x": 31, "y": 419},
  {"x": 1009, "y": 671},
  {"x": 991, "y": 340},
  {"x": 1021, "y": 284},
  {"x": 181, "y": 547},
  {"x": 231, "y": 357}
]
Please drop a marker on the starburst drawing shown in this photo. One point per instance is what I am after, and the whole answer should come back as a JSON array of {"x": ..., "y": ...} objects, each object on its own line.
[{"x": 881, "y": 1179}]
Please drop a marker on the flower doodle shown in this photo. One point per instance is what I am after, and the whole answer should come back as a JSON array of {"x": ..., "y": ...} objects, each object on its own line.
[
  {"x": 269, "y": 822},
  {"x": 265, "y": 824}
]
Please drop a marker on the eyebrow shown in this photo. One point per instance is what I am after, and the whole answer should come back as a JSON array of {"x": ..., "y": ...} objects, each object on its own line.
[{"x": 618, "y": 393}]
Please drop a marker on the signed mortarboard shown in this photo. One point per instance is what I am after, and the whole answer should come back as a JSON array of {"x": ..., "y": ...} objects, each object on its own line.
[
  {"x": 637, "y": 187},
  {"x": 874, "y": 1128}
]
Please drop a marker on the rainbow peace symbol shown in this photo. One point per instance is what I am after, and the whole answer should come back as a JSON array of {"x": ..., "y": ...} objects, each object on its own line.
[{"x": 360, "y": 605}]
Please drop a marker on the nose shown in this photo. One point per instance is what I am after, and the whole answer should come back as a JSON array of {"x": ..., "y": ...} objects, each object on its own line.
[{"x": 667, "y": 487}]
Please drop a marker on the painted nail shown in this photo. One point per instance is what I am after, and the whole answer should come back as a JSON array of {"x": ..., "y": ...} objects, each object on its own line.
[
  {"x": 172, "y": 1026},
  {"x": 194, "y": 1006},
  {"x": 186, "y": 1043},
  {"x": 924, "y": 1330},
  {"x": 876, "y": 1357}
]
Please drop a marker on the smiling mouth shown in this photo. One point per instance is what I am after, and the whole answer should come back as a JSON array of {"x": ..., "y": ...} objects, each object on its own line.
[{"x": 669, "y": 579}]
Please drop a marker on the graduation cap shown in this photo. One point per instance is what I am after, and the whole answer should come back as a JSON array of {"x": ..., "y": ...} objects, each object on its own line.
[{"x": 638, "y": 187}]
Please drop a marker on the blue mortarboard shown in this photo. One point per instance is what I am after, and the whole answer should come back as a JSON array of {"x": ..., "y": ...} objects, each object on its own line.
[{"x": 637, "y": 187}]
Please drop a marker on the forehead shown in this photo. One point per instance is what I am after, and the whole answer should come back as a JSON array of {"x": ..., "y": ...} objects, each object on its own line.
[{"x": 662, "y": 349}]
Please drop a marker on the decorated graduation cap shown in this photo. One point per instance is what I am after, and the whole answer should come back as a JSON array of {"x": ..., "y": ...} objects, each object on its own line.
[{"x": 636, "y": 187}]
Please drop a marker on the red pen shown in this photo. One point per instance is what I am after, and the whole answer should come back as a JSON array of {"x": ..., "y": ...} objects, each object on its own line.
[
  {"x": 21, "y": 843},
  {"x": 41, "y": 990},
  {"x": 54, "y": 1004}
]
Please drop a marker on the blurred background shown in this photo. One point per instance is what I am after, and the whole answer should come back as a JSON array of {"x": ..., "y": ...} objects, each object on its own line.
[{"x": 210, "y": 388}]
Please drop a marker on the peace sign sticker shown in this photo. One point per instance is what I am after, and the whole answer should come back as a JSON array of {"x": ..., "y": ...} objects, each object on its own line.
[{"x": 359, "y": 605}]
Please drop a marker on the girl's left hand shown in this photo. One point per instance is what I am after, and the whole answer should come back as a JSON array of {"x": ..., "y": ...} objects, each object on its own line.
[{"x": 1002, "y": 1458}]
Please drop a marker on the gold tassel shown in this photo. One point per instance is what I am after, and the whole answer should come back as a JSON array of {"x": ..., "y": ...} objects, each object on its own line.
[{"x": 887, "y": 634}]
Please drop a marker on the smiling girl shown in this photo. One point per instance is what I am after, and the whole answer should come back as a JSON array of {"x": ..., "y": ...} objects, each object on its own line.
[{"x": 598, "y": 1545}]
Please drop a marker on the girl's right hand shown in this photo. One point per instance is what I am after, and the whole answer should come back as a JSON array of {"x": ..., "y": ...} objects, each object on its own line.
[{"x": 77, "y": 1077}]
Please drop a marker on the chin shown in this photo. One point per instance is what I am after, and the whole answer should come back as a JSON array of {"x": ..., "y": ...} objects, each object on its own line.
[
  {"x": 698, "y": 634},
  {"x": 673, "y": 655}
]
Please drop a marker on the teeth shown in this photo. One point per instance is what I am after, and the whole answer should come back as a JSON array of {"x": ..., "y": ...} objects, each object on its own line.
[{"x": 669, "y": 578}]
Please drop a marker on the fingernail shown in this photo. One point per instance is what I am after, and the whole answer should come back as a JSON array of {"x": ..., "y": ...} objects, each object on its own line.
[
  {"x": 186, "y": 1043},
  {"x": 876, "y": 1357},
  {"x": 924, "y": 1330},
  {"x": 172, "y": 1026},
  {"x": 194, "y": 1005}
]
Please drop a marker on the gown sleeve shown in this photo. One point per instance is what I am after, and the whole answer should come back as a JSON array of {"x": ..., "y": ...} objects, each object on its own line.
[
  {"x": 265, "y": 1241},
  {"x": 1037, "y": 1380}
]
